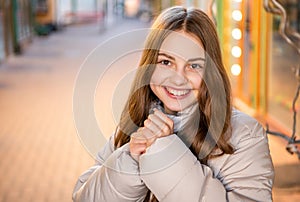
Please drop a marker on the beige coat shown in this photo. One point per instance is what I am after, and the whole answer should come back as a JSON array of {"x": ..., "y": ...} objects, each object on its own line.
[{"x": 172, "y": 172}]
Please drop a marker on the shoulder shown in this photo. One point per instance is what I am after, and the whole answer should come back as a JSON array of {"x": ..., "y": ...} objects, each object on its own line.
[
  {"x": 244, "y": 128},
  {"x": 242, "y": 120}
]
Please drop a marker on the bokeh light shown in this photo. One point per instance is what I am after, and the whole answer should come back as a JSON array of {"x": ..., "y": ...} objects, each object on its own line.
[
  {"x": 236, "y": 33},
  {"x": 237, "y": 15},
  {"x": 236, "y": 51},
  {"x": 236, "y": 69}
]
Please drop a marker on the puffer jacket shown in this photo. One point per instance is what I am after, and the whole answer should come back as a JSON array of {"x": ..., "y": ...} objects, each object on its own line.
[{"x": 172, "y": 173}]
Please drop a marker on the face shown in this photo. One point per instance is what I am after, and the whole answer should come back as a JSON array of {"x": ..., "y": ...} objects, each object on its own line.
[{"x": 178, "y": 74}]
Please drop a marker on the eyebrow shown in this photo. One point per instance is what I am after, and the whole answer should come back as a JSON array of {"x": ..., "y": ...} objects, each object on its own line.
[
  {"x": 189, "y": 60},
  {"x": 195, "y": 59},
  {"x": 166, "y": 55}
]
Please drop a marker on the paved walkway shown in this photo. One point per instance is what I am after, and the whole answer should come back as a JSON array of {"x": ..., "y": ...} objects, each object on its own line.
[{"x": 41, "y": 155}]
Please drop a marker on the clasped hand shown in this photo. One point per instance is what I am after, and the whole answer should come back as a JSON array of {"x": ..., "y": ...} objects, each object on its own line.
[{"x": 155, "y": 126}]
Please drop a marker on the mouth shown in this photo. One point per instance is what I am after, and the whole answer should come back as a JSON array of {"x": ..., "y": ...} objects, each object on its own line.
[{"x": 177, "y": 93}]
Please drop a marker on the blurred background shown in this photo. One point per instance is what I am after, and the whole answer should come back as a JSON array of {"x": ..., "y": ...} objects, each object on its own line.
[{"x": 43, "y": 44}]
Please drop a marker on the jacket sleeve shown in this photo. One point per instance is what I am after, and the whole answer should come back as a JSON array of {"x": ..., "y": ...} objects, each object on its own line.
[
  {"x": 114, "y": 177},
  {"x": 173, "y": 173}
]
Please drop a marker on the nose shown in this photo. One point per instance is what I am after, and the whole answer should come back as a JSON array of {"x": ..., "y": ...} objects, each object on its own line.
[{"x": 179, "y": 76}]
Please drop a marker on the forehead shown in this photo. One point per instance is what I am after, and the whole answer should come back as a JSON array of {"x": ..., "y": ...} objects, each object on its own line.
[{"x": 183, "y": 45}]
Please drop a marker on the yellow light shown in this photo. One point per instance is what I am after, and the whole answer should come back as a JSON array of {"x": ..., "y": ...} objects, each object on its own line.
[
  {"x": 236, "y": 69},
  {"x": 238, "y": 1},
  {"x": 236, "y": 33},
  {"x": 237, "y": 15},
  {"x": 236, "y": 51}
]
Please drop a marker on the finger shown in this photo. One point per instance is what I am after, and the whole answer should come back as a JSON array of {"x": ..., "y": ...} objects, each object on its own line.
[
  {"x": 136, "y": 150},
  {"x": 164, "y": 123},
  {"x": 138, "y": 137},
  {"x": 164, "y": 129},
  {"x": 155, "y": 119},
  {"x": 149, "y": 135},
  {"x": 152, "y": 126},
  {"x": 138, "y": 140},
  {"x": 163, "y": 117},
  {"x": 143, "y": 136}
]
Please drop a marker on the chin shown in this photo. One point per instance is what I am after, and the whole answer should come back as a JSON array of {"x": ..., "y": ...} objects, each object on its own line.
[{"x": 173, "y": 109}]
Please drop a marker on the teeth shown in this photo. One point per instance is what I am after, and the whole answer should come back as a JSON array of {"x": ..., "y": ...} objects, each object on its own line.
[{"x": 177, "y": 92}]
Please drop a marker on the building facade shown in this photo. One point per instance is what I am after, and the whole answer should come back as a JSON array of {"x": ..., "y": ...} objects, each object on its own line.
[
  {"x": 262, "y": 58},
  {"x": 16, "y": 26}
]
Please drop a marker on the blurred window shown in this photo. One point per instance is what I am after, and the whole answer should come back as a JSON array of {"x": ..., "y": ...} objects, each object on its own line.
[
  {"x": 282, "y": 84},
  {"x": 41, "y": 7}
]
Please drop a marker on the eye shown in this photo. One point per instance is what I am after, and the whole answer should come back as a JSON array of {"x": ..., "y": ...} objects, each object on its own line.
[
  {"x": 165, "y": 62},
  {"x": 195, "y": 66}
]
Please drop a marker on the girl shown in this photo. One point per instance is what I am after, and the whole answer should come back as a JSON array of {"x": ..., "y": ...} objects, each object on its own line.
[{"x": 179, "y": 139}]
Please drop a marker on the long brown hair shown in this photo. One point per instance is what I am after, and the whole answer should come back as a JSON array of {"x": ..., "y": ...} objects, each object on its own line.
[{"x": 214, "y": 94}]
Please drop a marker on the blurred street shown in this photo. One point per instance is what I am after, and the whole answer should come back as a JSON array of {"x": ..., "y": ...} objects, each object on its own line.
[{"x": 41, "y": 154}]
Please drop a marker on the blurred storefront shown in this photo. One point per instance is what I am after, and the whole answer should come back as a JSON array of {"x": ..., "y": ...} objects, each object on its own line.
[
  {"x": 244, "y": 30},
  {"x": 260, "y": 61},
  {"x": 16, "y": 28},
  {"x": 2, "y": 31},
  {"x": 159, "y": 5},
  {"x": 283, "y": 76},
  {"x": 59, "y": 13},
  {"x": 22, "y": 22}
]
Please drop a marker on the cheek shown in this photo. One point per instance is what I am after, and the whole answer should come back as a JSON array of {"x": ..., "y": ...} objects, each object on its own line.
[
  {"x": 196, "y": 81},
  {"x": 158, "y": 76},
  {"x": 156, "y": 89},
  {"x": 154, "y": 79},
  {"x": 154, "y": 82},
  {"x": 152, "y": 87}
]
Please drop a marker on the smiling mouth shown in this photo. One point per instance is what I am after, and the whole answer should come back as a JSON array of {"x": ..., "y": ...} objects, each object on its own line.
[{"x": 177, "y": 92}]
